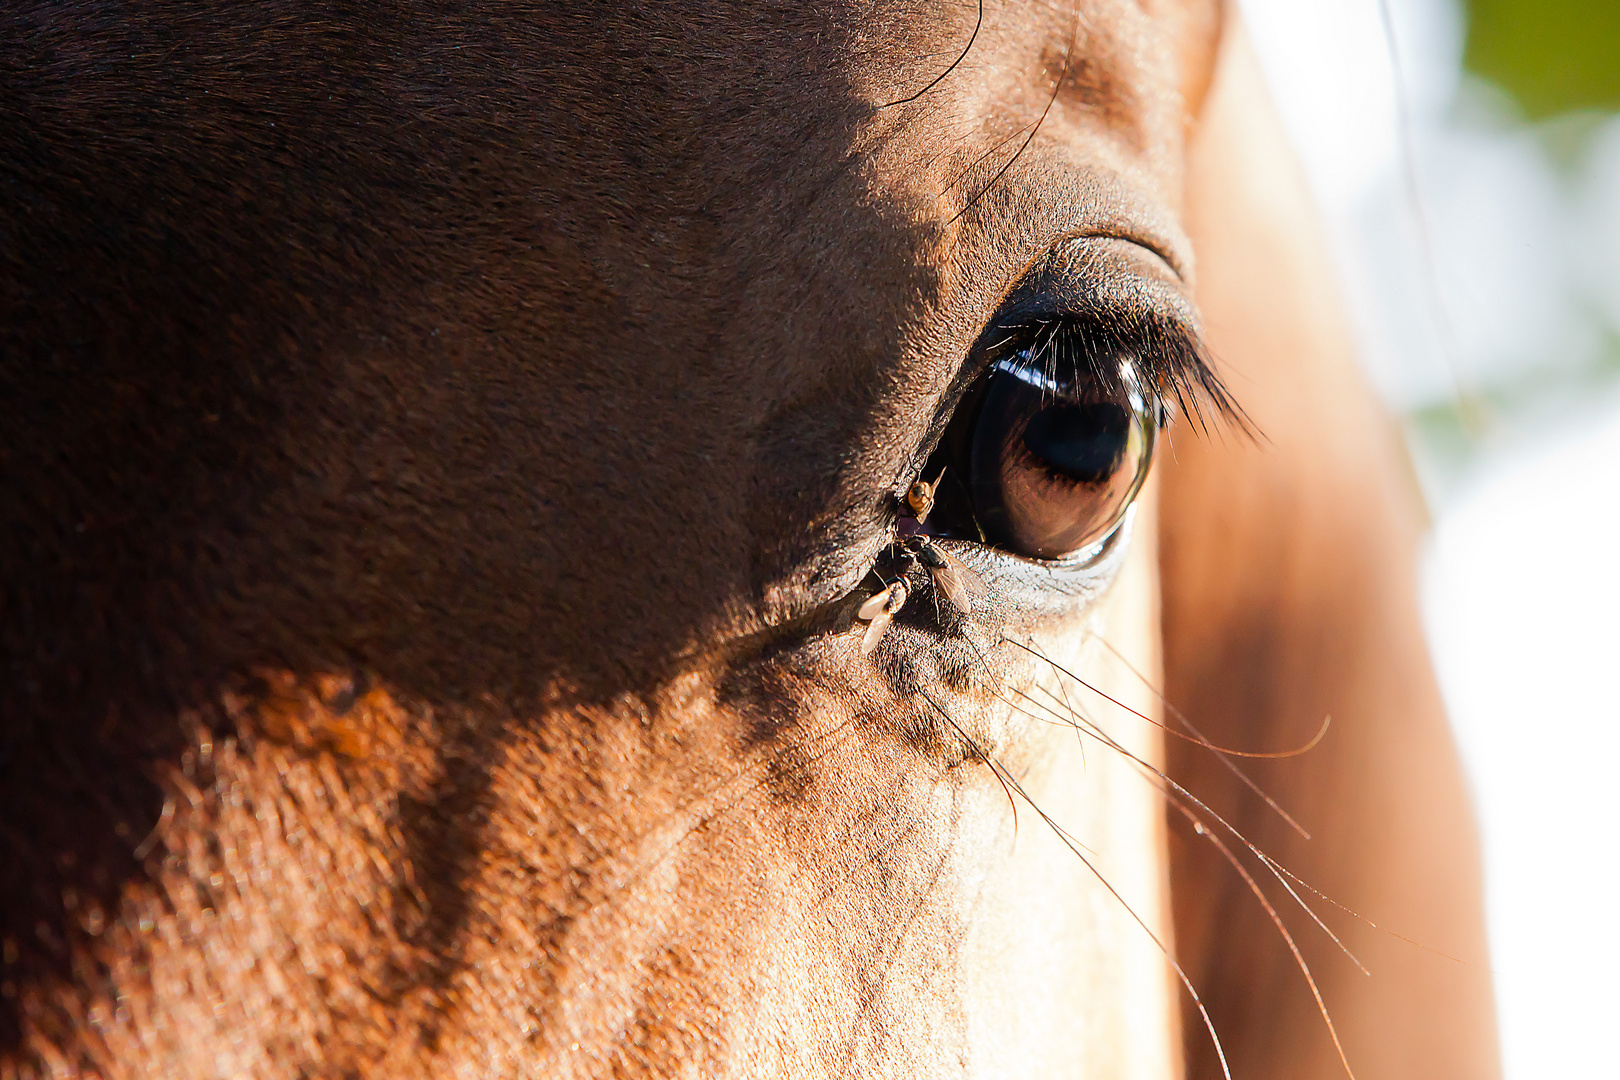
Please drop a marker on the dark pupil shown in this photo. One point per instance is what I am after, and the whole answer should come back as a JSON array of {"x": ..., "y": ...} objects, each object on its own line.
[{"x": 1084, "y": 441}]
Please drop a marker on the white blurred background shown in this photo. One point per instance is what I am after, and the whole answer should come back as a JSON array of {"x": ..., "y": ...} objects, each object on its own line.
[{"x": 1480, "y": 253}]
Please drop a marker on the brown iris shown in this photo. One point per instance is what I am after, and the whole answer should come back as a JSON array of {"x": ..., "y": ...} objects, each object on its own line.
[{"x": 1055, "y": 462}]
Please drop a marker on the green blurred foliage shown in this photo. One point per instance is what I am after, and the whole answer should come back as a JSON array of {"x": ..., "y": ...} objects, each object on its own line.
[{"x": 1554, "y": 56}]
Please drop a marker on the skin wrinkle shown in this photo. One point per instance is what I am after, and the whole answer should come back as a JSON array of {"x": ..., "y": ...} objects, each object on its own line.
[{"x": 448, "y": 443}]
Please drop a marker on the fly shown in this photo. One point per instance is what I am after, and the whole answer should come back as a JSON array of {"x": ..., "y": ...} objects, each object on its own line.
[
  {"x": 953, "y": 582},
  {"x": 878, "y": 611},
  {"x": 951, "y": 577},
  {"x": 920, "y": 496}
]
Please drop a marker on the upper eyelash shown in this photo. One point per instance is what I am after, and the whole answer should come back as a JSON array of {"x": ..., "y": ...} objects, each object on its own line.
[
  {"x": 1171, "y": 360},
  {"x": 1172, "y": 364}
]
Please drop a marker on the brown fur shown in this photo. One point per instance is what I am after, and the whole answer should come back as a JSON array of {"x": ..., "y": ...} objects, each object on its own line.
[{"x": 437, "y": 437}]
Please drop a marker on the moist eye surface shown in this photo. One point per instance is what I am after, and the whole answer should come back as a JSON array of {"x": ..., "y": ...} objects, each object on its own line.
[
  {"x": 1048, "y": 448},
  {"x": 1059, "y": 453},
  {"x": 1049, "y": 439},
  {"x": 1086, "y": 442}
]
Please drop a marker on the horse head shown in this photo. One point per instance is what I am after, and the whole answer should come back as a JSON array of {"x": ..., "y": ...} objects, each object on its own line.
[{"x": 586, "y": 540}]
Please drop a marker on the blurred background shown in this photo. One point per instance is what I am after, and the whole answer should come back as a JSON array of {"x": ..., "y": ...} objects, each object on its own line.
[{"x": 1466, "y": 157}]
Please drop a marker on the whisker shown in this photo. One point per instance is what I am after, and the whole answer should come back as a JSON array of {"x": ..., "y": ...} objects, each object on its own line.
[
  {"x": 1200, "y": 738},
  {"x": 1276, "y": 920},
  {"x": 1171, "y": 797},
  {"x": 1278, "y": 868},
  {"x": 1270, "y": 863},
  {"x": 1078, "y": 732},
  {"x": 989, "y": 153},
  {"x": 1057, "y": 88},
  {"x": 1283, "y": 870},
  {"x": 1197, "y": 738},
  {"x": 1076, "y": 719},
  {"x": 1181, "y": 717},
  {"x": 1102, "y": 736},
  {"x": 1187, "y": 723},
  {"x": 1079, "y": 741},
  {"x": 954, "y": 63},
  {"x": 1254, "y": 887},
  {"x": 1008, "y": 780},
  {"x": 1008, "y": 791},
  {"x": 1175, "y": 795}
]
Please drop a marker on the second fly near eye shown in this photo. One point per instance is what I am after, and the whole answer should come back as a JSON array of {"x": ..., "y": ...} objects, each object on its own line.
[
  {"x": 880, "y": 608},
  {"x": 951, "y": 578}
]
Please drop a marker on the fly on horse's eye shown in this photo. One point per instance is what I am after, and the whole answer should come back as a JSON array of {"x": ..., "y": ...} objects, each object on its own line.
[
  {"x": 920, "y": 496},
  {"x": 1041, "y": 457},
  {"x": 951, "y": 577},
  {"x": 1050, "y": 446},
  {"x": 953, "y": 582},
  {"x": 878, "y": 611}
]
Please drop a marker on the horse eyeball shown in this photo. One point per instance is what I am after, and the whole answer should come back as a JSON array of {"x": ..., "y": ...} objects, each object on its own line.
[{"x": 1056, "y": 459}]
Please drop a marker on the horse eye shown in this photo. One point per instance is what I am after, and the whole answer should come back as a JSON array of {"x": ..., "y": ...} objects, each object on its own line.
[{"x": 1049, "y": 460}]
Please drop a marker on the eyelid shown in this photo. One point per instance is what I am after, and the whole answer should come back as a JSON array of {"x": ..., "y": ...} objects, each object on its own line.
[
  {"x": 1028, "y": 367},
  {"x": 1088, "y": 273},
  {"x": 1135, "y": 352},
  {"x": 1113, "y": 284}
]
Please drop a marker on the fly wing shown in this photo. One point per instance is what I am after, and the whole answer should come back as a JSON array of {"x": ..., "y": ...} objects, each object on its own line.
[
  {"x": 959, "y": 585},
  {"x": 874, "y": 632},
  {"x": 875, "y": 603}
]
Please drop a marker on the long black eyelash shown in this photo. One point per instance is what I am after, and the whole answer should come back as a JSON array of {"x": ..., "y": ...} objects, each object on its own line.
[
  {"x": 1057, "y": 88},
  {"x": 1173, "y": 364},
  {"x": 977, "y": 26}
]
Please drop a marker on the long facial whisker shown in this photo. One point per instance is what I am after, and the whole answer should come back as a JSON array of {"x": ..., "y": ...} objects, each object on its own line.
[
  {"x": 1057, "y": 89},
  {"x": 1184, "y": 721},
  {"x": 1063, "y": 722},
  {"x": 1009, "y": 781},
  {"x": 1276, "y": 920},
  {"x": 1197, "y": 738},
  {"x": 1069, "y": 706},
  {"x": 987, "y": 154},
  {"x": 1220, "y": 753},
  {"x": 1270, "y": 863},
  {"x": 1083, "y": 723},
  {"x": 977, "y": 26},
  {"x": 1276, "y": 867},
  {"x": 1183, "y": 796},
  {"x": 1008, "y": 790},
  {"x": 1178, "y": 797}
]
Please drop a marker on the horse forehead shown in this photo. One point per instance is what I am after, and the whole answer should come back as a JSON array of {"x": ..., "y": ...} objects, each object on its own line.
[
  {"x": 725, "y": 153},
  {"x": 768, "y": 233},
  {"x": 717, "y": 90},
  {"x": 895, "y": 52},
  {"x": 1112, "y": 57}
]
